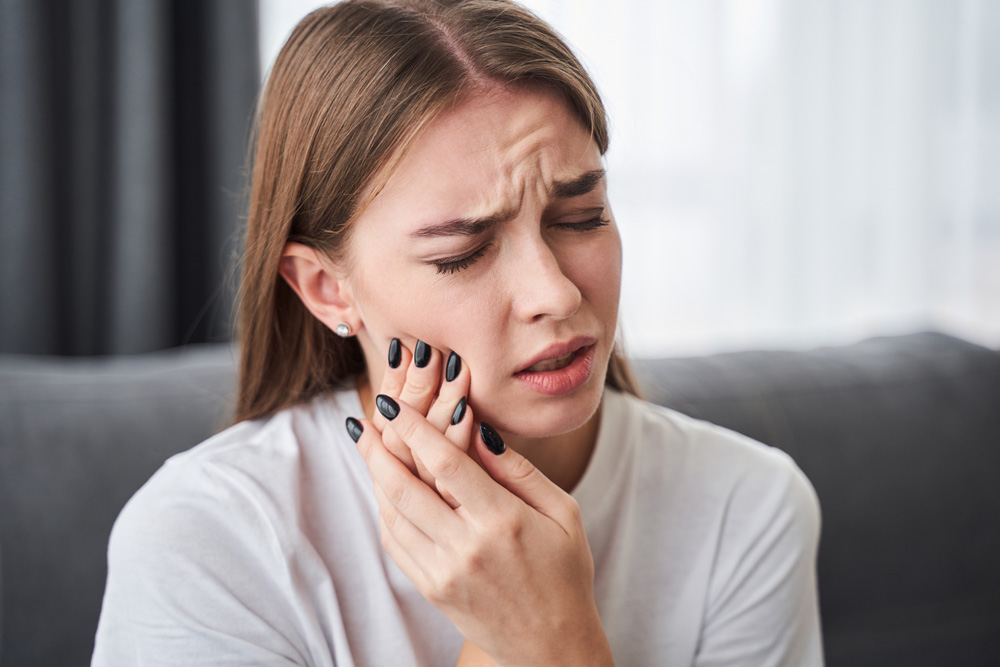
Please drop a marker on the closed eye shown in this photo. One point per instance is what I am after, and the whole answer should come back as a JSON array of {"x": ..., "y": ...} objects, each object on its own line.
[
  {"x": 454, "y": 265},
  {"x": 585, "y": 225}
]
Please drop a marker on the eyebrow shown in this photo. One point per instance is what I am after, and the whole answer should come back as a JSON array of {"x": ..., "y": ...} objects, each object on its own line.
[
  {"x": 578, "y": 186},
  {"x": 463, "y": 226},
  {"x": 474, "y": 226}
]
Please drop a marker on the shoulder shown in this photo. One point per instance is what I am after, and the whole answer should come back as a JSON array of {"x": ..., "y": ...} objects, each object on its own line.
[
  {"x": 242, "y": 483},
  {"x": 749, "y": 516},
  {"x": 211, "y": 546},
  {"x": 754, "y": 497},
  {"x": 732, "y": 487},
  {"x": 716, "y": 457}
]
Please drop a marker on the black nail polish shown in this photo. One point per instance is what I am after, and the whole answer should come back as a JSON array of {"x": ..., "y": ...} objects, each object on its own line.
[
  {"x": 459, "y": 412},
  {"x": 354, "y": 428},
  {"x": 395, "y": 353},
  {"x": 388, "y": 407},
  {"x": 422, "y": 355},
  {"x": 493, "y": 441},
  {"x": 453, "y": 368}
]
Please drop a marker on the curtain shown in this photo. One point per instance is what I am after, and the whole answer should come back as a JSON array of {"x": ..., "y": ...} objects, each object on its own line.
[{"x": 123, "y": 138}]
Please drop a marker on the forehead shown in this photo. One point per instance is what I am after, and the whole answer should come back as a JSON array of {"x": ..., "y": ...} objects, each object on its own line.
[{"x": 484, "y": 153}]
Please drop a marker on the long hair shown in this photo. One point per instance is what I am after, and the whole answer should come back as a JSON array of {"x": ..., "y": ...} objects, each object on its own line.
[{"x": 348, "y": 93}]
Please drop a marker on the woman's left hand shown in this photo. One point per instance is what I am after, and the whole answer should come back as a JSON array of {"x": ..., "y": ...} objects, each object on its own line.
[{"x": 510, "y": 565}]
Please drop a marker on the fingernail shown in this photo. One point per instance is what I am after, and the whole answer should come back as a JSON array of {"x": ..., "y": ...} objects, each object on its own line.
[
  {"x": 354, "y": 428},
  {"x": 453, "y": 368},
  {"x": 459, "y": 412},
  {"x": 388, "y": 407},
  {"x": 395, "y": 353},
  {"x": 422, "y": 355},
  {"x": 493, "y": 441}
]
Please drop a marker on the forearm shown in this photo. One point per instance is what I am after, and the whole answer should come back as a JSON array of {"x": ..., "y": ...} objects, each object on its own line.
[
  {"x": 594, "y": 651},
  {"x": 473, "y": 656}
]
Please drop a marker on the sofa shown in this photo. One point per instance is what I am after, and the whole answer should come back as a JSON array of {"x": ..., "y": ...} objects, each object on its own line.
[{"x": 899, "y": 435}]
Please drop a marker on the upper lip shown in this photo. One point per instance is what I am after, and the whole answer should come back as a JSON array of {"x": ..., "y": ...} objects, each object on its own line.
[{"x": 559, "y": 349}]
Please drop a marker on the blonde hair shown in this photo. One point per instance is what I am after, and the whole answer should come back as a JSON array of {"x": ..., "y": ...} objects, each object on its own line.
[{"x": 349, "y": 91}]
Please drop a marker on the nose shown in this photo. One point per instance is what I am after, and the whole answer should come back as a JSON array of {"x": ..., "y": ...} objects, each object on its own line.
[{"x": 540, "y": 287}]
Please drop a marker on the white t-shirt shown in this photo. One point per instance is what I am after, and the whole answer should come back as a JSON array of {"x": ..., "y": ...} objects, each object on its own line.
[{"x": 261, "y": 547}]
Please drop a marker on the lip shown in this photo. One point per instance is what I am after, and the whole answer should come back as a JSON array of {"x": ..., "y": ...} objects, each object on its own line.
[
  {"x": 558, "y": 350},
  {"x": 567, "y": 379}
]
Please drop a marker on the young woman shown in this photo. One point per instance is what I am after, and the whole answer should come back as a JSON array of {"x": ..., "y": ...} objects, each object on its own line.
[{"x": 439, "y": 454}]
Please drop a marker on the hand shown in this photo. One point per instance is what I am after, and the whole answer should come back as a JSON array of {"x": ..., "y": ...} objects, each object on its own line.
[
  {"x": 510, "y": 565},
  {"x": 421, "y": 380}
]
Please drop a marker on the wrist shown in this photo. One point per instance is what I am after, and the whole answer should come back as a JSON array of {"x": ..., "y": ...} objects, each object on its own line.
[{"x": 586, "y": 644}]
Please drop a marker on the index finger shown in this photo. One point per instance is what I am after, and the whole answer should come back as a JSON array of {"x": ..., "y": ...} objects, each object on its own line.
[{"x": 452, "y": 467}]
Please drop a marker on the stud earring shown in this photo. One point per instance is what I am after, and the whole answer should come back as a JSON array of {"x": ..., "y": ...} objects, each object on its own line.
[{"x": 343, "y": 330}]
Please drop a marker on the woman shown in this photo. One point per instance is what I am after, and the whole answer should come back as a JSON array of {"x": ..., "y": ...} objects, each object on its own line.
[{"x": 432, "y": 261}]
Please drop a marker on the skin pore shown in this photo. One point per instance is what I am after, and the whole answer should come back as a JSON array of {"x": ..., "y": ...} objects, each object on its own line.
[{"x": 492, "y": 238}]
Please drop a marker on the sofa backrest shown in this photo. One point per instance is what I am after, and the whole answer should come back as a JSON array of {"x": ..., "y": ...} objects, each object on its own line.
[
  {"x": 78, "y": 436},
  {"x": 900, "y": 437}
]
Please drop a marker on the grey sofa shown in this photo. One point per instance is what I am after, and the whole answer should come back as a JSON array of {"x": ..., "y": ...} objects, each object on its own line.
[{"x": 899, "y": 435}]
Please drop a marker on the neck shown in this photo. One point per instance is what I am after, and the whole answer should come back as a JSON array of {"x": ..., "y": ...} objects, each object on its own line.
[{"x": 562, "y": 458}]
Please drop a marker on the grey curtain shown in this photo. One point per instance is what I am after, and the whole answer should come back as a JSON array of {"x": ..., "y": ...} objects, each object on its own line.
[{"x": 123, "y": 137}]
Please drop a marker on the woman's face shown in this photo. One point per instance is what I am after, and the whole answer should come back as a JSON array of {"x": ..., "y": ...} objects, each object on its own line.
[{"x": 494, "y": 238}]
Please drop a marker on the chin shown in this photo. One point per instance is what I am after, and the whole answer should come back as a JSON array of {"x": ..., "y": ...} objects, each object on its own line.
[{"x": 539, "y": 416}]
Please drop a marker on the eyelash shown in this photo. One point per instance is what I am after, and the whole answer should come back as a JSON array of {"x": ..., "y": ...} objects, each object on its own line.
[{"x": 451, "y": 266}]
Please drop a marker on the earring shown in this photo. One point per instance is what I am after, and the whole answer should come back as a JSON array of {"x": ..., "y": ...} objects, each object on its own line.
[{"x": 343, "y": 330}]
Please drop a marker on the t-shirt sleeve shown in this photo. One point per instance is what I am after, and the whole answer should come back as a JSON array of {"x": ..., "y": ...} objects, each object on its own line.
[
  {"x": 762, "y": 609},
  {"x": 192, "y": 578}
]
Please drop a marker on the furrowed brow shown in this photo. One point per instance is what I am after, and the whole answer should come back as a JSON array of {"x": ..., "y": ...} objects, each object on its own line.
[
  {"x": 578, "y": 186},
  {"x": 462, "y": 226}
]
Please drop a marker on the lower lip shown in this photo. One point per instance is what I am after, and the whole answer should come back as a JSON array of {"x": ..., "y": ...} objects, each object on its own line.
[{"x": 564, "y": 380}]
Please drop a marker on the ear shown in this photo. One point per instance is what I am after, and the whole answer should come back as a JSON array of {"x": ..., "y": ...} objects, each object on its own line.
[{"x": 320, "y": 287}]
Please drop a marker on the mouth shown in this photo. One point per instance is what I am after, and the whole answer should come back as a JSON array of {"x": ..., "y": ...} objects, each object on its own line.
[
  {"x": 557, "y": 356},
  {"x": 561, "y": 368},
  {"x": 551, "y": 364}
]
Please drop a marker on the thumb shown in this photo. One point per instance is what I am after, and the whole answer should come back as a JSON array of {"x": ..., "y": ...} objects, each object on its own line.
[{"x": 519, "y": 475}]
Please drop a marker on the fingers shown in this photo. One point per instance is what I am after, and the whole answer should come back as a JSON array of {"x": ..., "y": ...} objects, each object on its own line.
[
  {"x": 459, "y": 431},
  {"x": 422, "y": 378},
  {"x": 520, "y": 476},
  {"x": 450, "y": 466},
  {"x": 450, "y": 405},
  {"x": 393, "y": 382},
  {"x": 402, "y": 556},
  {"x": 396, "y": 531},
  {"x": 459, "y": 434},
  {"x": 432, "y": 386},
  {"x": 400, "y": 493}
]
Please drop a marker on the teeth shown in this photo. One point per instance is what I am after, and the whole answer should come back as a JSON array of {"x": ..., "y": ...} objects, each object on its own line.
[{"x": 552, "y": 364}]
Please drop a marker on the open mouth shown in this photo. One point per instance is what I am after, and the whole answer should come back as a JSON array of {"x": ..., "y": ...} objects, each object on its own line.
[
  {"x": 557, "y": 376},
  {"x": 552, "y": 364}
]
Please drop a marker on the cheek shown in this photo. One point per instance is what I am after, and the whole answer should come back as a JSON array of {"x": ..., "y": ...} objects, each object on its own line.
[
  {"x": 448, "y": 313},
  {"x": 597, "y": 274}
]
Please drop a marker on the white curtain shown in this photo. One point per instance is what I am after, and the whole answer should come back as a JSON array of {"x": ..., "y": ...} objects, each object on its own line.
[{"x": 792, "y": 173}]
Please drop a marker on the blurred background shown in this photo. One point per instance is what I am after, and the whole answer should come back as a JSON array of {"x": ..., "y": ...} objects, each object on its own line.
[{"x": 785, "y": 173}]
